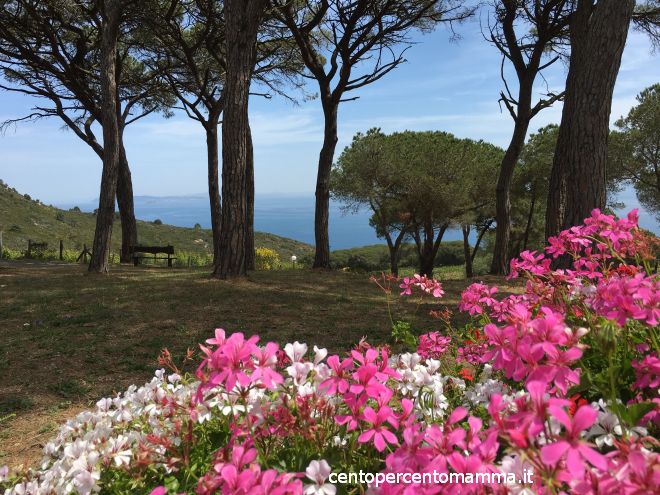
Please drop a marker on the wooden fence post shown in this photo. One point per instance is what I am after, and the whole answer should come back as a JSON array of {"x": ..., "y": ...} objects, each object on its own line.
[
  {"x": 61, "y": 250},
  {"x": 29, "y": 251},
  {"x": 1, "y": 245}
]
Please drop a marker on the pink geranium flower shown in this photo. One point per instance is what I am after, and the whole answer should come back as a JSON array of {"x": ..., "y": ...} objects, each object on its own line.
[
  {"x": 570, "y": 447},
  {"x": 648, "y": 372},
  {"x": 264, "y": 368},
  {"x": 338, "y": 381},
  {"x": 379, "y": 432}
]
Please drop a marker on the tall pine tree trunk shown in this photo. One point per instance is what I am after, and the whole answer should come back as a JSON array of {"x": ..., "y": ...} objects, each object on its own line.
[
  {"x": 394, "y": 247},
  {"x": 577, "y": 182},
  {"x": 125, "y": 200},
  {"x": 249, "y": 178},
  {"x": 242, "y": 19},
  {"x": 129, "y": 233},
  {"x": 213, "y": 182},
  {"x": 394, "y": 259},
  {"x": 111, "y": 144},
  {"x": 530, "y": 217},
  {"x": 469, "y": 271},
  {"x": 322, "y": 210},
  {"x": 500, "y": 263},
  {"x": 427, "y": 247}
]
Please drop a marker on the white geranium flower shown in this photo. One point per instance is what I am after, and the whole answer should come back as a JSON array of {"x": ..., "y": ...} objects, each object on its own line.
[
  {"x": 318, "y": 472},
  {"x": 319, "y": 354},
  {"x": 432, "y": 365},
  {"x": 85, "y": 482},
  {"x": 299, "y": 371},
  {"x": 409, "y": 360},
  {"x": 338, "y": 441},
  {"x": 605, "y": 429},
  {"x": 513, "y": 464},
  {"x": 295, "y": 351}
]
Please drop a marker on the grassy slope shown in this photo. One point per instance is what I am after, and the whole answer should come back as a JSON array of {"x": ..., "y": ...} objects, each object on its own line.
[{"x": 22, "y": 219}]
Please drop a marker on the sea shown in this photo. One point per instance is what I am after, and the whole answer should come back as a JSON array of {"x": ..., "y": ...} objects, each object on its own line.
[{"x": 289, "y": 216}]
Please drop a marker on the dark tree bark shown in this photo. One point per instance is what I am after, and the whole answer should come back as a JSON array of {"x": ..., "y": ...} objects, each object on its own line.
[
  {"x": 125, "y": 201},
  {"x": 242, "y": 19},
  {"x": 500, "y": 263},
  {"x": 548, "y": 20},
  {"x": 249, "y": 178},
  {"x": 394, "y": 246},
  {"x": 427, "y": 246},
  {"x": 482, "y": 231},
  {"x": 469, "y": 271},
  {"x": 111, "y": 144},
  {"x": 577, "y": 182},
  {"x": 129, "y": 233},
  {"x": 213, "y": 183},
  {"x": 530, "y": 217},
  {"x": 322, "y": 210}
]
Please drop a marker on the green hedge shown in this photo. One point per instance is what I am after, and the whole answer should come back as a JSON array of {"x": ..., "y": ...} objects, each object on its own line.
[{"x": 376, "y": 257}]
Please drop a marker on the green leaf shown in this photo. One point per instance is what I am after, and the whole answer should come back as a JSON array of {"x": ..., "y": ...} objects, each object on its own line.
[{"x": 635, "y": 412}]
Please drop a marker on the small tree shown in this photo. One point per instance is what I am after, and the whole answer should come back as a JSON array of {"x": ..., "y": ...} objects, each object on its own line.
[
  {"x": 634, "y": 152},
  {"x": 442, "y": 177},
  {"x": 347, "y": 45},
  {"x": 51, "y": 50},
  {"x": 367, "y": 175},
  {"x": 526, "y": 32},
  {"x": 188, "y": 47},
  {"x": 481, "y": 165},
  {"x": 112, "y": 10},
  {"x": 417, "y": 184}
]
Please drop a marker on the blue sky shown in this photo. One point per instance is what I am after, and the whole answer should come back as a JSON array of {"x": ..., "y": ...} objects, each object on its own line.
[{"x": 446, "y": 85}]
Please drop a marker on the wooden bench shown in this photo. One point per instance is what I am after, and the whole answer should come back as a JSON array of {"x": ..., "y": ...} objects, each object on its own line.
[{"x": 138, "y": 253}]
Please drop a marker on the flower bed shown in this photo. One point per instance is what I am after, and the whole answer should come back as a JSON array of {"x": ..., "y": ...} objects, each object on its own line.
[{"x": 553, "y": 390}]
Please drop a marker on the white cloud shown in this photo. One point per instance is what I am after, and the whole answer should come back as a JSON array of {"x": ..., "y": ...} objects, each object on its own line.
[{"x": 268, "y": 128}]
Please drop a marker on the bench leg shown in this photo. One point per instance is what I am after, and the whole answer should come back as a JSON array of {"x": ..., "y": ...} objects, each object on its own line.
[{"x": 169, "y": 262}]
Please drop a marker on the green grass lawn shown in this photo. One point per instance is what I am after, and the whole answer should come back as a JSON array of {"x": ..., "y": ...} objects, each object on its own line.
[{"x": 69, "y": 338}]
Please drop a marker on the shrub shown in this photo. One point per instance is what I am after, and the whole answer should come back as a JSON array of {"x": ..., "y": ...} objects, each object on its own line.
[
  {"x": 450, "y": 253},
  {"x": 266, "y": 259},
  {"x": 359, "y": 264},
  {"x": 12, "y": 254},
  {"x": 158, "y": 221},
  {"x": 75, "y": 208},
  {"x": 195, "y": 259}
]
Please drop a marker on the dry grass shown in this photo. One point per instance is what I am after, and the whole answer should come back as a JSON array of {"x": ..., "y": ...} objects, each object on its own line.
[{"x": 69, "y": 338}]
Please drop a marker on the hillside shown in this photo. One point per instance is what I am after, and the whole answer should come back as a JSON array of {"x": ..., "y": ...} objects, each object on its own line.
[{"x": 23, "y": 218}]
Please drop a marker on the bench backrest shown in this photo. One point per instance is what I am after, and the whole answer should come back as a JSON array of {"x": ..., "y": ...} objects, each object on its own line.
[{"x": 152, "y": 249}]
